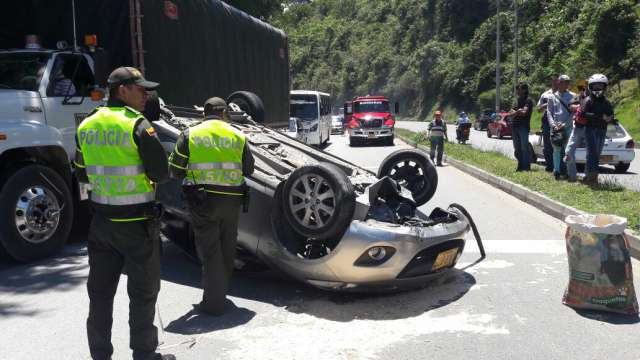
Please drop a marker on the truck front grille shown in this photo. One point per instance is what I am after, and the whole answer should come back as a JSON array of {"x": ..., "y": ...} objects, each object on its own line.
[{"x": 372, "y": 123}]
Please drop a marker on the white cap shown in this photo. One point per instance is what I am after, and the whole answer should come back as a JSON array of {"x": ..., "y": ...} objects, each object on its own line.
[{"x": 564, "y": 78}]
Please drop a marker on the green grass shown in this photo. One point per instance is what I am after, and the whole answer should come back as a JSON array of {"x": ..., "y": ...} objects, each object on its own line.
[
  {"x": 626, "y": 100},
  {"x": 606, "y": 198}
]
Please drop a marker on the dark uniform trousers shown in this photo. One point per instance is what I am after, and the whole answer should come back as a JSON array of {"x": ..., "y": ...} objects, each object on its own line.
[
  {"x": 112, "y": 246},
  {"x": 214, "y": 218}
]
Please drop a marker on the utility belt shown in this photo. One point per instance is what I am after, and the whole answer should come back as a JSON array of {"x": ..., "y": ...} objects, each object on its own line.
[
  {"x": 129, "y": 213},
  {"x": 197, "y": 194}
]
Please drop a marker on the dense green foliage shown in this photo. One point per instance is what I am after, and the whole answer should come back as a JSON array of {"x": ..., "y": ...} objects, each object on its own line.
[{"x": 428, "y": 53}]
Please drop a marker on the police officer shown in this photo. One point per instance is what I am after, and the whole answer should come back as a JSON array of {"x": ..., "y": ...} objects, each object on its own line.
[
  {"x": 120, "y": 155},
  {"x": 212, "y": 159}
]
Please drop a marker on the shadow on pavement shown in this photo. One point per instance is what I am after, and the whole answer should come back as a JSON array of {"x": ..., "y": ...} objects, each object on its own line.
[
  {"x": 63, "y": 272},
  {"x": 610, "y": 318},
  {"x": 270, "y": 287},
  {"x": 195, "y": 322}
]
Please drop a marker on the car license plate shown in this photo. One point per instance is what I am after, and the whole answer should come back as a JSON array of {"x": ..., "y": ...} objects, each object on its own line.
[
  {"x": 371, "y": 135},
  {"x": 445, "y": 259},
  {"x": 606, "y": 158}
]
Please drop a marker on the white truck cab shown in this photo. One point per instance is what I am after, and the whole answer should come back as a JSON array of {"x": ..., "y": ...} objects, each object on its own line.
[{"x": 44, "y": 94}]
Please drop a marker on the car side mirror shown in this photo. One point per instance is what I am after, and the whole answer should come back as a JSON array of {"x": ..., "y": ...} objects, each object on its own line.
[{"x": 397, "y": 108}]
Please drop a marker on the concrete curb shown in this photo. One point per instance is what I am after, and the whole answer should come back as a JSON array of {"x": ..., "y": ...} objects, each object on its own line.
[{"x": 554, "y": 208}]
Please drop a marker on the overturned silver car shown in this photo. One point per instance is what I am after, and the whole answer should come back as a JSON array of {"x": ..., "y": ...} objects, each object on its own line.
[{"x": 328, "y": 222}]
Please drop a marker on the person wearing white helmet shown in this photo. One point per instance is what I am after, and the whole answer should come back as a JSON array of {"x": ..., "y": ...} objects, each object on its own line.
[{"x": 599, "y": 114}]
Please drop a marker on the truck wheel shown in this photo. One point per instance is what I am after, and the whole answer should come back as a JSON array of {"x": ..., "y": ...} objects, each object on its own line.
[
  {"x": 36, "y": 213},
  {"x": 413, "y": 170},
  {"x": 390, "y": 140},
  {"x": 318, "y": 201},
  {"x": 250, "y": 103}
]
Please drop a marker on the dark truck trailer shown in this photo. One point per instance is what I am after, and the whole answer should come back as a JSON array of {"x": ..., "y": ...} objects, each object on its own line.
[{"x": 195, "y": 48}]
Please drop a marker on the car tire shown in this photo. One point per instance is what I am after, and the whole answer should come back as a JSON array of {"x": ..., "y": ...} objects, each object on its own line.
[
  {"x": 315, "y": 213},
  {"x": 488, "y": 134},
  {"x": 622, "y": 168},
  {"x": 421, "y": 178},
  {"x": 250, "y": 103},
  {"x": 35, "y": 193}
]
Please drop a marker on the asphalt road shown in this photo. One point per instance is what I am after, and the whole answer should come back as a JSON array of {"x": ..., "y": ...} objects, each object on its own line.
[
  {"x": 507, "y": 306},
  {"x": 479, "y": 140}
]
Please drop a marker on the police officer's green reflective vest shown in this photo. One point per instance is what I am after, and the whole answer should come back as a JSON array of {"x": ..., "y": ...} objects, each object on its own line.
[
  {"x": 111, "y": 157},
  {"x": 215, "y": 157}
]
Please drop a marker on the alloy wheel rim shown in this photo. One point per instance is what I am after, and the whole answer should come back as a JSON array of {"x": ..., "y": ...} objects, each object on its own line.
[
  {"x": 37, "y": 214},
  {"x": 312, "y": 201}
]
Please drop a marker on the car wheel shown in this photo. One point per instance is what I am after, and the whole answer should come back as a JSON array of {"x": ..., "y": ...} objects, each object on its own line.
[
  {"x": 488, "y": 133},
  {"x": 318, "y": 201},
  {"x": 622, "y": 168},
  {"x": 413, "y": 170},
  {"x": 36, "y": 213},
  {"x": 250, "y": 103}
]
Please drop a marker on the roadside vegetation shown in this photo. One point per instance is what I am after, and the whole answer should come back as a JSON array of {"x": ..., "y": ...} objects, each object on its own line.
[
  {"x": 606, "y": 198},
  {"x": 431, "y": 54}
]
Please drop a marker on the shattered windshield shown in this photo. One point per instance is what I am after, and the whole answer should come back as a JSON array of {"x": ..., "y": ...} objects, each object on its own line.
[
  {"x": 22, "y": 71},
  {"x": 304, "y": 107}
]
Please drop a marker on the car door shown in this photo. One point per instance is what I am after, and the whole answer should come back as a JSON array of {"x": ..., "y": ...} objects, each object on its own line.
[{"x": 68, "y": 104}]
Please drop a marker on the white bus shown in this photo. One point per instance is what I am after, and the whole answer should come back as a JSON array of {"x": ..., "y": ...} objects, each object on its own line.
[{"x": 312, "y": 111}]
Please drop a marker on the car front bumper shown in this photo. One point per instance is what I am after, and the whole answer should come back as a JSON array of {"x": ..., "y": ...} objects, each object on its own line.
[
  {"x": 410, "y": 265},
  {"x": 371, "y": 133},
  {"x": 608, "y": 157}
]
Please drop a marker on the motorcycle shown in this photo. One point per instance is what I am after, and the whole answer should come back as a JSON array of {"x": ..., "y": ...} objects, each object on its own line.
[{"x": 462, "y": 132}]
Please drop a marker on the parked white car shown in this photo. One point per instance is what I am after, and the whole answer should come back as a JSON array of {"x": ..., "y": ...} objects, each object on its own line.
[{"x": 618, "y": 149}]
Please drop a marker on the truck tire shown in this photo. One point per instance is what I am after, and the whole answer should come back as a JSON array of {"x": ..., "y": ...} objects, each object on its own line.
[
  {"x": 36, "y": 213},
  {"x": 389, "y": 140},
  {"x": 318, "y": 201},
  {"x": 250, "y": 103},
  {"x": 413, "y": 170}
]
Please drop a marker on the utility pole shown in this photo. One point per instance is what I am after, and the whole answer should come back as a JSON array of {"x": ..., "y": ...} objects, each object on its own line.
[
  {"x": 515, "y": 46},
  {"x": 498, "y": 56}
]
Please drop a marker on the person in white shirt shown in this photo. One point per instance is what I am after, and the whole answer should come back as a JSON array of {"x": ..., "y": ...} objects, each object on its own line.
[{"x": 560, "y": 119}]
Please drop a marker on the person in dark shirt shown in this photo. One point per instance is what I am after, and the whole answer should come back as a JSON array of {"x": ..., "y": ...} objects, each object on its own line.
[
  {"x": 521, "y": 117},
  {"x": 120, "y": 155},
  {"x": 598, "y": 112}
]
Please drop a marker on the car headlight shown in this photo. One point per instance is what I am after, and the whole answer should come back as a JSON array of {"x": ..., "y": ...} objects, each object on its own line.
[{"x": 314, "y": 128}]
